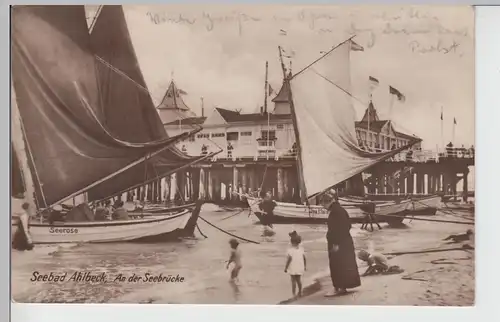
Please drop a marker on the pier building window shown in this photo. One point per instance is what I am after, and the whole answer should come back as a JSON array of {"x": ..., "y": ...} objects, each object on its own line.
[
  {"x": 218, "y": 135},
  {"x": 232, "y": 136},
  {"x": 280, "y": 126},
  {"x": 203, "y": 136},
  {"x": 246, "y": 137},
  {"x": 272, "y": 135},
  {"x": 191, "y": 138}
]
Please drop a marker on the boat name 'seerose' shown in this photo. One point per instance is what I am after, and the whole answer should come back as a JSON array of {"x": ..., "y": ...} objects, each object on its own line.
[{"x": 54, "y": 230}]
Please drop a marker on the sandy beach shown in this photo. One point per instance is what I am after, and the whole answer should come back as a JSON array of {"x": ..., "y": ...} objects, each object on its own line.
[{"x": 430, "y": 279}]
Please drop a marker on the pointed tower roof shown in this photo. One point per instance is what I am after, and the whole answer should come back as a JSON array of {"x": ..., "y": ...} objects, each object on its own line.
[
  {"x": 172, "y": 98},
  {"x": 370, "y": 114},
  {"x": 172, "y": 106},
  {"x": 283, "y": 94}
]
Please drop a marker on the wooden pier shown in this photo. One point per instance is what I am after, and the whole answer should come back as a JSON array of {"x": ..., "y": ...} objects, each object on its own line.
[{"x": 213, "y": 180}]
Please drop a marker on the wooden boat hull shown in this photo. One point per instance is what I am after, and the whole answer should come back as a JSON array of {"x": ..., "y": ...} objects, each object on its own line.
[
  {"x": 162, "y": 210},
  {"x": 287, "y": 213},
  {"x": 155, "y": 229}
]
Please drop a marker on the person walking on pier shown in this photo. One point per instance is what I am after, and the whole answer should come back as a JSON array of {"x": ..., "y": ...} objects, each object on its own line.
[{"x": 341, "y": 254}]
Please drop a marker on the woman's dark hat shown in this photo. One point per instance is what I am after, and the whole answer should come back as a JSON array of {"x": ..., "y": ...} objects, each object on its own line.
[
  {"x": 293, "y": 234},
  {"x": 234, "y": 241}
]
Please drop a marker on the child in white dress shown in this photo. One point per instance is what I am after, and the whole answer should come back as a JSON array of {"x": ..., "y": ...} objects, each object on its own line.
[{"x": 296, "y": 262}]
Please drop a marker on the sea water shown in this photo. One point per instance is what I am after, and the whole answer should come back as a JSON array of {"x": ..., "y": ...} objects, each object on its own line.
[{"x": 151, "y": 273}]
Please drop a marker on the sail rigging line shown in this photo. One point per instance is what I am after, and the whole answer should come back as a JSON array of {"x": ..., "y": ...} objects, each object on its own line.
[
  {"x": 389, "y": 155},
  {"x": 166, "y": 174},
  {"x": 142, "y": 159},
  {"x": 121, "y": 73},
  {"x": 30, "y": 156},
  {"x": 297, "y": 134},
  {"x": 323, "y": 56},
  {"x": 98, "y": 12},
  {"x": 343, "y": 90},
  {"x": 104, "y": 128}
]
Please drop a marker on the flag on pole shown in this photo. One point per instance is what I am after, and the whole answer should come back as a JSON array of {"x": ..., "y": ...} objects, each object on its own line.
[
  {"x": 397, "y": 93},
  {"x": 356, "y": 47},
  {"x": 270, "y": 90},
  {"x": 373, "y": 84},
  {"x": 373, "y": 81}
]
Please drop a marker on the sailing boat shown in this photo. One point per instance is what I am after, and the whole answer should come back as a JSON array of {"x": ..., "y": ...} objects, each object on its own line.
[
  {"x": 328, "y": 154},
  {"x": 67, "y": 145},
  {"x": 136, "y": 120}
]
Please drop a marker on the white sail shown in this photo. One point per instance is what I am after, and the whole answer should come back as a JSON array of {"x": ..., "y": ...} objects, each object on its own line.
[{"x": 325, "y": 118}]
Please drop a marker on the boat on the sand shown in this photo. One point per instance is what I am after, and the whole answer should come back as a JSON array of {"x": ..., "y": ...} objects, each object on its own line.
[
  {"x": 69, "y": 133},
  {"x": 154, "y": 229},
  {"x": 328, "y": 151},
  {"x": 392, "y": 213}
]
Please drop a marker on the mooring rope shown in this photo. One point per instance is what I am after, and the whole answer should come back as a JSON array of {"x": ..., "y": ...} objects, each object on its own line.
[
  {"x": 464, "y": 247},
  {"x": 431, "y": 220},
  {"x": 228, "y": 233},
  {"x": 199, "y": 230}
]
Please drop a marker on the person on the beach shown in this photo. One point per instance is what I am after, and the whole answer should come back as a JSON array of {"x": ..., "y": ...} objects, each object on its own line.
[
  {"x": 22, "y": 238},
  {"x": 267, "y": 206},
  {"x": 461, "y": 237},
  {"x": 295, "y": 263},
  {"x": 235, "y": 259},
  {"x": 120, "y": 213},
  {"x": 342, "y": 257},
  {"x": 377, "y": 264}
]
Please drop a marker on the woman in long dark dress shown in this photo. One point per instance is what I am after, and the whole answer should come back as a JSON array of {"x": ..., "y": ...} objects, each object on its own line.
[
  {"x": 21, "y": 239},
  {"x": 341, "y": 254}
]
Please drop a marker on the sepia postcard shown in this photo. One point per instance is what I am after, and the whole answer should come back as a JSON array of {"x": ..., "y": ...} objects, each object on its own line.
[{"x": 243, "y": 154}]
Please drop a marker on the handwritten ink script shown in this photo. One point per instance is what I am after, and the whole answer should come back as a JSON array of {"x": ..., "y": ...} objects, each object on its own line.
[
  {"x": 439, "y": 47},
  {"x": 370, "y": 26}
]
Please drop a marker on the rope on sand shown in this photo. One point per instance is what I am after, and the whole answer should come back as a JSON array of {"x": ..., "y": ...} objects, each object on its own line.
[
  {"x": 432, "y": 220},
  {"x": 464, "y": 247},
  {"x": 230, "y": 216},
  {"x": 199, "y": 230},
  {"x": 228, "y": 233}
]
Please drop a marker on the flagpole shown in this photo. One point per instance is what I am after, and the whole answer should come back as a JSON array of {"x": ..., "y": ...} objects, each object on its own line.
[
  {"x": 453, "y": 131},
  {"x": 265, "y": 110},
  {"x": 369, "y": 113},
  {"x": 442, "y": 129},
  {"x": 391, "y": 104}
]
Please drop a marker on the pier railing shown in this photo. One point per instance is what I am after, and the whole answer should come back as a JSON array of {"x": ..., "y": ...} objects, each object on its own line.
[{"x": 271, "y": 151}]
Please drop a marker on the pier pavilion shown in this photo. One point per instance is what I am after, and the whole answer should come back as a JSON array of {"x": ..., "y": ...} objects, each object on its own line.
[{"x": 258, "y": 153}]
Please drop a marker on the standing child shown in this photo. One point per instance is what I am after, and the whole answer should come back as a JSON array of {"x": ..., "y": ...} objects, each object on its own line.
[
  {"x": 235, "y": 258},
  {"x": 296, "y": 262}
]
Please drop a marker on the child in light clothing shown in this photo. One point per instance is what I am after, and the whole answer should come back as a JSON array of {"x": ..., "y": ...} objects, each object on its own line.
[
  {"x": 377, "y": 264},
  {"x": 235, "y": 257},
  {"x": 296, "y": 262}
]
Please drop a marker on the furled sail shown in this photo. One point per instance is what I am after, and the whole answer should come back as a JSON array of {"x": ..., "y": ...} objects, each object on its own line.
[
  {"x": 127, "y": 105},
  {"x": 325, "y": 118},
  {"x": 57, "y": 95}
]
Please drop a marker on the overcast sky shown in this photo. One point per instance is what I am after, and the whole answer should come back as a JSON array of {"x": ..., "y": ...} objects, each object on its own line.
[{"x": 219, "y": 52}]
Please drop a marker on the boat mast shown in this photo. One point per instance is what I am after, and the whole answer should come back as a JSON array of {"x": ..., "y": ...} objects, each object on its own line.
[
  {"x": 303, "y": 195},
  {"x": 18, "y": 141},
  {"x": 265, "y": 111}
]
